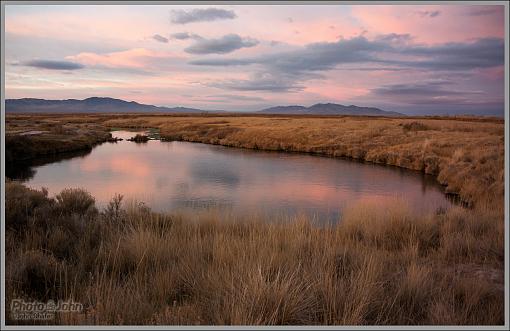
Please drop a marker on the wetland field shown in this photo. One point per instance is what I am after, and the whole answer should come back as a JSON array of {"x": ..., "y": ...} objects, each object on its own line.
[{"x": 257, "y": 219}]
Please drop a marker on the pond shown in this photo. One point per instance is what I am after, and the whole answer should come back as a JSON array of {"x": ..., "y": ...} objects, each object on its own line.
[{"x": 170, "y": 176}]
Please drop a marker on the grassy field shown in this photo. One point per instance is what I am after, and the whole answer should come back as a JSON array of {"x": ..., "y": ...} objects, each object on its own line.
[
  {"x": 128, "y": 265},
  {"x": 30, "y": 137},
  {"x": 465, "y": 156},
  {"x": 380, "y": 265}
]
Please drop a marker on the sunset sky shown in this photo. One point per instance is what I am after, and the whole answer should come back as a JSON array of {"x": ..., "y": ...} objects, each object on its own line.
[{"x": 429, "y": 59}]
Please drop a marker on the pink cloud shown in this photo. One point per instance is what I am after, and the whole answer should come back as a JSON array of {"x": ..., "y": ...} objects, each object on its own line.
[
  {"x": 132, "y": 58},
  {"x": 451, "y": 24}
]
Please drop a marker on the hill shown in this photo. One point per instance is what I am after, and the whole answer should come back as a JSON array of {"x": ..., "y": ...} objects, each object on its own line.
[
  {"x": 329, "y": 109},
  {"x": 89, "y": 105}
]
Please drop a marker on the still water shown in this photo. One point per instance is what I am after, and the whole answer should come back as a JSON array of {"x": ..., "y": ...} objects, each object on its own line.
[{"x": 189, "y": 176}]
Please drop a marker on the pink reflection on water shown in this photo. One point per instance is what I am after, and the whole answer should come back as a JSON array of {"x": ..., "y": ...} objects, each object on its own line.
[{"x": 169, "y": 176}]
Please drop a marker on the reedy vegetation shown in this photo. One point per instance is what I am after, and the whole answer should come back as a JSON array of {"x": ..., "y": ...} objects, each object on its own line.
[
  {"x": 467, "y": 156},
  {"x": 56, "y": 136},
  {"x": 379, "y": 265},
  {"x": 127, "y": 265}
]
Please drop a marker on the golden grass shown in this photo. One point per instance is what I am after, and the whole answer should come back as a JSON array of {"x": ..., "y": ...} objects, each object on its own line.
[
  {"x": 53, "y": 136},
  {"x": 465, "y": 156},
  {"x": 379, "y": 266}
]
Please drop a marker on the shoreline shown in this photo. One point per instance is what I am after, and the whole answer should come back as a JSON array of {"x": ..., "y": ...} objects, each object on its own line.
[{"x": 460, "y": 162}]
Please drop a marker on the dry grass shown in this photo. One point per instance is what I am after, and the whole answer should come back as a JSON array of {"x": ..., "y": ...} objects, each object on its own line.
[
  {"x": 467, "y": 156},
  {"x": 31, "y": 137},
  {"x": 379, "y": 266}
]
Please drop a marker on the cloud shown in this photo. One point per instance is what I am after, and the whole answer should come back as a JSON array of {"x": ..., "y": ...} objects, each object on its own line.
[
  {"x": 183, "y": 35},
  {"x": 53, "y": 65},
  {"x": 224, "y": 62},
  {"x": 160, "y": 38},
  {"x": 312, "y": 57},
  {"x": 395, "y": 38},
  {"x": 259, "y": 81},
  {"x": 436, "y": 98},
  {"x": 286, "y": 71},
  {"x": 201, "y": 15},
  {"x": 484, "y": 10},
  {"x": 222, "y": 98},
  {"x": 432, "y": 92},
  {"x": 223, "y": 45},
  {"x": 481, "y": 53},
  {"x": 427, "y": 13},
  {"x": 134, "y": 61}
]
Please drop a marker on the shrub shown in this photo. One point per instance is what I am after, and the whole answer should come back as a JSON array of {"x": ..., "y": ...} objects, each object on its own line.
[
  {"x": 139, "y": 138},
  {"x": 414, "y": 126},
  {"x": 76, "y": 201},
  {"x": 113, "y": 210},
  {"x": 23, "y": 203},
  {"x": 36, "y": 274}
]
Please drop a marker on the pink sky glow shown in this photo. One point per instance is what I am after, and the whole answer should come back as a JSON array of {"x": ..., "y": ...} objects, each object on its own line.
[{"x": 416, "y": 59}]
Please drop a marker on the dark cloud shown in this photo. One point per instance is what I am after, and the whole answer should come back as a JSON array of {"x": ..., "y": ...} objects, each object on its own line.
[
  {"x": 222, "y": 98},
  {"x": 313, "y": 57},
  {"x": 481, "y": 53},
  {"x": 261, "y": 82},
  {"x": 325, "y": 56},
  {"x": 432, "y": 92},
  {"x": 160, "y": 38},
  {"x": 223, "y": 45},
  {"x": 224, "y": 62},
  {"x": 392, "y": 52},
  {"x": 484, "y": 10},
  {"x": 54, "y": 64},
  {"x": 395, "y": 38},
  {"x": 201, "y": 15},
  {"x": 427, "y": 13},
  {"x": 370, "y": 69},
  {"x": 184, "y": 35}
]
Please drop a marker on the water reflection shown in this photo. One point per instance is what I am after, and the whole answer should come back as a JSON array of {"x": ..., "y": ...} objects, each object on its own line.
[{"x": 180, "y": 175}]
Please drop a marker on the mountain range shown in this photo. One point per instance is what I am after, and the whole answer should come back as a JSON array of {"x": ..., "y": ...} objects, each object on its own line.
[
  {"x": 89, "y": 105},
  {"x": 329, "y": 109},
  {"x": 111, "y": 105}
]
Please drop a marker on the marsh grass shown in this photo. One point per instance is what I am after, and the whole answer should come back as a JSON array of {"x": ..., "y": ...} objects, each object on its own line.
[
  {"x": 466, "y": 155},
  {"x": 381, "y": 265}
]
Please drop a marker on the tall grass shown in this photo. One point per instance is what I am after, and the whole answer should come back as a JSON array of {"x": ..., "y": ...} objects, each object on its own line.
[
  {"x": 381, "y": 265},
  {"x": 55, "y": 136},
  {"x": 466, "y": 155}
]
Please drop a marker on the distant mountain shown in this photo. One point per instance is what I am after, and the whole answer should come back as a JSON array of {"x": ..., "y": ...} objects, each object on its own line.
[
  {"x": 90, "y": 105},
  {"x": 111, "y": 105},
  {"x": 329, "y": 109}
]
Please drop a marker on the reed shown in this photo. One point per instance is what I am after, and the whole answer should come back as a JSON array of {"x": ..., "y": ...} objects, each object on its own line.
[{"x": 381, "y": 265}]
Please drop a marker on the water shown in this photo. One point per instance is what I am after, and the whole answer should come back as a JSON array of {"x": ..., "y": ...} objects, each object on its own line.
[{"x": 171, "y": 176}]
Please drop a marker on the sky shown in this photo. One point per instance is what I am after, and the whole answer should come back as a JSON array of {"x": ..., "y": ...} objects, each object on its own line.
[{"x": 426, "y": 59}]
